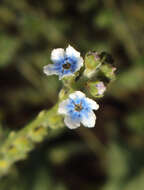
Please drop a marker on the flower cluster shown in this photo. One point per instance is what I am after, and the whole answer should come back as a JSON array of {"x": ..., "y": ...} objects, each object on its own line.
[{"x": 78, "y": 109}]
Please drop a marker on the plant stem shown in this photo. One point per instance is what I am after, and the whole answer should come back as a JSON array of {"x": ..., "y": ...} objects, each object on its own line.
[{"x": 18, "y": 144}]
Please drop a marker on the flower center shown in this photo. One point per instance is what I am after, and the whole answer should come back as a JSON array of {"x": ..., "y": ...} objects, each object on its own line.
[
  {"x": 67, "y": 65},
  {"x": 78, "y": 107}
]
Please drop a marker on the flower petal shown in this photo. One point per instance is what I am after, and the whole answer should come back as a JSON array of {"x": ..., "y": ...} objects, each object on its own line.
[
  {"x": 70, "y": 123},
  {"x": 63, "y": 107},
  {"x": 101, "y": 88},
  {"x": 57, "y": 54},
  {"x": 79, "y": 63},
  {"x": 77, "y": 94},
  {"x": 90, "y": 120},
  {"x": 50, "y": 69},
  {"x": 93, "y": 105},
  {"x": 71, "y": 52}
]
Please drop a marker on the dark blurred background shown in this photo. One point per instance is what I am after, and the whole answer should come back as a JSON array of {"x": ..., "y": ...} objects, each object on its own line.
[{"x": 108, "y": 157}]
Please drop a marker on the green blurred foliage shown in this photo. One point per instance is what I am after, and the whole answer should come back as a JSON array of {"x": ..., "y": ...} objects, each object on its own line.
[{"x": 108, "y": 157}]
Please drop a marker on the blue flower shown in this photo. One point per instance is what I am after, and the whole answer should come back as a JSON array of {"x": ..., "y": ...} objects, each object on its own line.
[
  {"x": 66, "y": 63},
  {"x": 78, "y": 109}
]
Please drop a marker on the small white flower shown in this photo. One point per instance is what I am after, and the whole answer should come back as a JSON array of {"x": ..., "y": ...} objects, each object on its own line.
[
  {"x": 101, "y": 88},
  {"x": 78, "y": 109},
  {"x": 66, "y": 63}
]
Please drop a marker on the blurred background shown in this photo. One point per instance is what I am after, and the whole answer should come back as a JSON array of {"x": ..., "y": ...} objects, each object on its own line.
[{"x": 108, "y": 157}]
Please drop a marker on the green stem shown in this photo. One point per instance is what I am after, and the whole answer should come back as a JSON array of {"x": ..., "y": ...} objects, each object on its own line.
[{"x": 18, "y": 144}]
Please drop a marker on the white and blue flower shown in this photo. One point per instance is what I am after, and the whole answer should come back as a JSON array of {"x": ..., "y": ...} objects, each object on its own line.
[
  {"x": 66, "y": 63},
  {"x": 78, "y": 109}
]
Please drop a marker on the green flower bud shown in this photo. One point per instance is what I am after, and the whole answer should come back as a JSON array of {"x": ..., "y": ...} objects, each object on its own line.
[
  {"x": 108, "y": 71},
  {"x": 92, "y": 63},
  {"x": 96, "y": 89}
]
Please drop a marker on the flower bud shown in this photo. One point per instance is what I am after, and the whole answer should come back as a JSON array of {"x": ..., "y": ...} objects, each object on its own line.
[
  {"x": 108, "y": 71},
  {"x": 92, "y": 62},
  {"x": 96, "y": 89}
]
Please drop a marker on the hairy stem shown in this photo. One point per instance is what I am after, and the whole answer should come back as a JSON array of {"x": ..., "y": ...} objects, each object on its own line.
[{"x": 18, "y": 144}]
